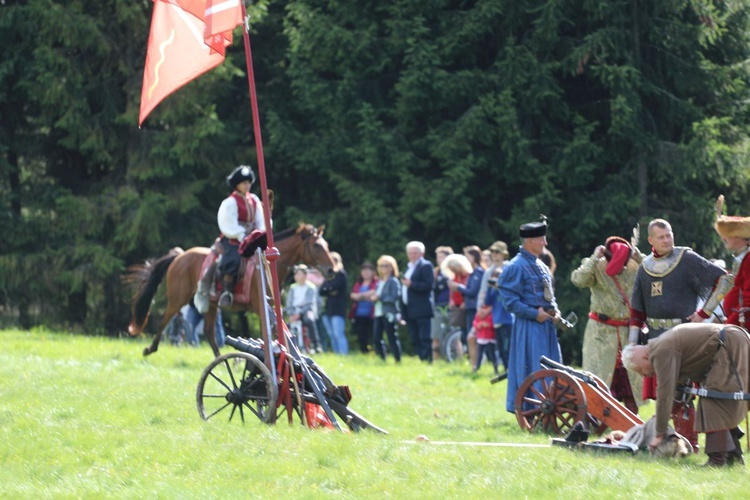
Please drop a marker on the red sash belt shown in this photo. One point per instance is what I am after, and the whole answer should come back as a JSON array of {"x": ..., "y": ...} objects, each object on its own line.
[{"x": 601, "y": 318}]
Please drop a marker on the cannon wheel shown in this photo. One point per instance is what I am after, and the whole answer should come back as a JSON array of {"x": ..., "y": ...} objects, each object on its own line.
[
  {"x": 554, "y": 402},
  {"x": 239, "y": 383}
]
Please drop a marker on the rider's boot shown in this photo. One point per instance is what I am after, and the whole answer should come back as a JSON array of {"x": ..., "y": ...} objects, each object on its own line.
[{"x": 227, "y": 298}]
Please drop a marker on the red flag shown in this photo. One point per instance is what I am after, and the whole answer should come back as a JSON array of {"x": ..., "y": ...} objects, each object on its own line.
[
  {"x": 221, "y": 17},
  {"x": 177, "y": 52}
]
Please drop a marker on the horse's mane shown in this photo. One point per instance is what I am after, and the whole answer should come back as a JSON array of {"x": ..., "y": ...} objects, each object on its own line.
[{"x": 286, "y": 233}]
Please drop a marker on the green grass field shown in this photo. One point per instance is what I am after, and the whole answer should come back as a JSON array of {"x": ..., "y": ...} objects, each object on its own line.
[{"x": 85, "y": 417}]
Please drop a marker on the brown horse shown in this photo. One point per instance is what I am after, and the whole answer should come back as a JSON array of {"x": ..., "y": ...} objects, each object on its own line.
[{"x": 304, "y": 243}]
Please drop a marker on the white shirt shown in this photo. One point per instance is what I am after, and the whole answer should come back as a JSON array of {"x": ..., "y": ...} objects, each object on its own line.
[
  {"x": 299, "y": 294},
  {"x": 410, "y": 267},
  {"x": 229, "y": 224}
]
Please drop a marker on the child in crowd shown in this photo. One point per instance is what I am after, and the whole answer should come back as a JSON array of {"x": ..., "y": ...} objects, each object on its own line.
[
  {"x": 302, "y": 309},
  {"x": 485, "y": 330}
]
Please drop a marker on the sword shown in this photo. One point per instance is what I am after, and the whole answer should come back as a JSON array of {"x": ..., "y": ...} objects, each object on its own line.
[{"x": 567, "y": 322}]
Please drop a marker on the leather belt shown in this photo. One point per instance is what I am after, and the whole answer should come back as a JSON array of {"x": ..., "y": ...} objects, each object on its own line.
[
  {"x": 663, "y": 323},
  {"x": 603, "y": 318},
  {"x": 711, "y": 394}
]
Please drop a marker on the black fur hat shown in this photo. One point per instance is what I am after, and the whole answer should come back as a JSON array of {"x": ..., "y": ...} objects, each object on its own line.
[
  {"x": 239, "y": 174},
  {"x": 534, "y": 229}
]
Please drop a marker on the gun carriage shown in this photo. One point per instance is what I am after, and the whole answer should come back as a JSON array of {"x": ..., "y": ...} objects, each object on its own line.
[
  {"x": 269, "y": 378},
  {"x": 553, "y": 399}
]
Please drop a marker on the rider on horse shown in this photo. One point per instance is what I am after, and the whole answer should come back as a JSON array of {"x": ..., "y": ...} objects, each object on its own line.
[{"x": 239, "y": 214}]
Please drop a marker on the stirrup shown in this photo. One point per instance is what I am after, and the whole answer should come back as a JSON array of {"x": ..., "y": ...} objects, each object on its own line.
[{"x": 226, "y": 299}]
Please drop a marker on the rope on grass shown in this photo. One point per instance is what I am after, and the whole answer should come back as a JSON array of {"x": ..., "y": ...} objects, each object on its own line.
[{"x": 424, "y": 439}]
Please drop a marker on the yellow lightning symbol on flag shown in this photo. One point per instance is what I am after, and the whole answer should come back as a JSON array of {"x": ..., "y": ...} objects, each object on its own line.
[{"x": 162, "y": 49}]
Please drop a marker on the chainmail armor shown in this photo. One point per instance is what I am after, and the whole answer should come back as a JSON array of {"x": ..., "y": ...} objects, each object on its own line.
[{"x": 669, "y": 287}]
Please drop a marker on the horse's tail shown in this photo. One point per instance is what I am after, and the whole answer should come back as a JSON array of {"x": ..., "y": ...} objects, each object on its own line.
[{"x": 145, "y": 278}]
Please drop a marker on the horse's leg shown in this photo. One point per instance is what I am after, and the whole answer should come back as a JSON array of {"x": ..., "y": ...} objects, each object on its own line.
[
  {"x": 179, "y": 291},
  {"x": 209, "y": 327},
  {"x": 172, "y": 309}
]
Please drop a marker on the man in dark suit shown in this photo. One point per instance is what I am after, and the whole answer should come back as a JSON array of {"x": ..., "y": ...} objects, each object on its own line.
[{"x": 417, "y": 297}]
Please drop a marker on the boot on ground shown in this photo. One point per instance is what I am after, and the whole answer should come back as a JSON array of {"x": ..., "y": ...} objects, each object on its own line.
[
  {"x": 717, "y": 459},
  {"x": 734, "y": 457}
]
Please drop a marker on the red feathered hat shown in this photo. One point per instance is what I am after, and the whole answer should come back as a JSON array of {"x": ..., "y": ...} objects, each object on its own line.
[{"x": 619, "y": 253}]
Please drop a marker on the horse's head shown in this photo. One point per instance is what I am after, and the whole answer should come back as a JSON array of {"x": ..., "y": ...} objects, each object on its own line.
[{"x": 316, "y": 252}]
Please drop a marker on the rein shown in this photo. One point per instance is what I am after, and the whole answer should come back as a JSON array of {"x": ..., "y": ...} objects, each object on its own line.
[{"x": 306, "y": 251}]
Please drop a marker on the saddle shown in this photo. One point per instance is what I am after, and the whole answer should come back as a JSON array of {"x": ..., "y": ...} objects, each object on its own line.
[{"x": 209, "y": 283}]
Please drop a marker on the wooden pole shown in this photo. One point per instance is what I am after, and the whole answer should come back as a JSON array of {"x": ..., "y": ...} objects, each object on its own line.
[{"x": 272, "y": 253}]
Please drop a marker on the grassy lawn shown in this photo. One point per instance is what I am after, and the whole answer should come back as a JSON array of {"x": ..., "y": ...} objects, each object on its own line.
[{"x": 90, "y": 417}]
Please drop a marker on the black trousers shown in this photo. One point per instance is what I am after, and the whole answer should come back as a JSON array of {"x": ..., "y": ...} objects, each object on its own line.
[
  {"x": 381, "y": 325},
  {"x": 489, "y": 350},
  {"x": 229, "y": 264},
  {"x": 419, "y": 331},
  {"x": 362, "y": 328}
]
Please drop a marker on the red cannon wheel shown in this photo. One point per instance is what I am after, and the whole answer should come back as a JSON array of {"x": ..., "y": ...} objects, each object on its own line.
[{"x": 550, "y": 401}]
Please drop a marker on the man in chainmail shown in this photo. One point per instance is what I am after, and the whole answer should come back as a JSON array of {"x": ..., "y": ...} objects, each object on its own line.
[{"x": 667, "y": 288}]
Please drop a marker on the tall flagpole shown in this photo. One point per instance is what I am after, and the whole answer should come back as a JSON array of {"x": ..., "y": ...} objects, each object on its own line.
[{"x": 272, "y": 253}]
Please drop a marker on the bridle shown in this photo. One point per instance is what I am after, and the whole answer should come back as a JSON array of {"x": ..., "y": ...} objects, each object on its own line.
[{"x": 306, "y": 250}]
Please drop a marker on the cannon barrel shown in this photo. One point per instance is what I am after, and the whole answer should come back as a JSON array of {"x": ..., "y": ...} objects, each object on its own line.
[
  {"x": 554, "y": 365},
  {"x": 250, "y": 346},
  {"x": 317, "y": 375}
]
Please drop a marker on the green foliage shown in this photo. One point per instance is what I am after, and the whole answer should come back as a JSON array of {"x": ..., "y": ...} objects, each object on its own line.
[{"x": 445, "y": 122}]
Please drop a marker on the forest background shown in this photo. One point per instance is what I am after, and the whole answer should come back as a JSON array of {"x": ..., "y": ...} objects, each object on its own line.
[{"x": 445, "y": 121}]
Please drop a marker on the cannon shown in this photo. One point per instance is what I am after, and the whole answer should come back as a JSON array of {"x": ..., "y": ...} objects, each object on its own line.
[
  {"x": 240, "y": 384},
  {"x": 265, "y": 379},
  {"x": 553, "y": 399}
]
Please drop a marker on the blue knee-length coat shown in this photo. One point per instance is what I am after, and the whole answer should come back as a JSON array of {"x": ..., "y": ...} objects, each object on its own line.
[{"x": 522, "y": 287}]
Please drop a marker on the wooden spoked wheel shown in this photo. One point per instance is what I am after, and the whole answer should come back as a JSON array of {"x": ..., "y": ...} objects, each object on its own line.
[
  {"x": 235, "y": 385},
  {"x": 550, "y": 401}
]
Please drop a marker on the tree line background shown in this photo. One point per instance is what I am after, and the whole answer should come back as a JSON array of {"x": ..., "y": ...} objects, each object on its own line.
[{"x": 445, "y": 121}]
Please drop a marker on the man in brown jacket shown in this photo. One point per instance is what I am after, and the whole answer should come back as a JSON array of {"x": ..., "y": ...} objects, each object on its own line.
[{"x": 716, "y": 356}]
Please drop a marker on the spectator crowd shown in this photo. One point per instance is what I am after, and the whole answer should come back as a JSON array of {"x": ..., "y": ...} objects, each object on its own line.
[{"x": 423, "y": 301}]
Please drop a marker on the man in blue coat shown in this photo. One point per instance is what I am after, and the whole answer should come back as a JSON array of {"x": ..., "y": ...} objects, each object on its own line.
[
  {"x": 526, "y": 290},
  {"x": 417, "y": 298}
]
